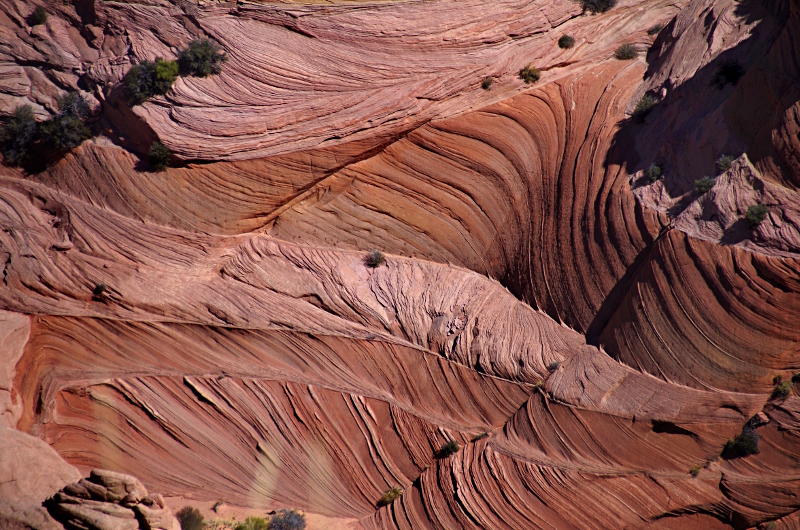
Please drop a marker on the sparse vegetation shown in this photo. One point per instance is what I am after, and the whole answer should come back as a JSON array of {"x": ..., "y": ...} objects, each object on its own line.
[
  {"x": 67, "y": 129},
  {"x": 202, "y": 57},
  {"x": 729, "y": 72},
  {"x": 754, "y": 216},
  {"x": 99, "y": 290},
  {"x": 448, "y": 449},
  {"x": 480, "y": 436},
  {"x": 487, "y": 83},
  {"x": 782, "y": 390},
  {"x": 626, "y": 52},
  {"x": 389, "y": 496},
  {"x": 644, "y": 107},
  {"x": 742, "y": 445},
  {"x": 566, "y": 42},
  {"x": 538, "y": 384},
  {"x": 160, "y": 156},
  {"x": 694, "y": 470},
  {"x": 553, "y": 366},
  {"x": 724, "y": 163},
  {"x": 148, "y": 79},
  {"x": 17, "y": 135},
  {"x": 653, "y": 173},
  {"x": 704, "y": 184},
  {"x": 190, "y": 518},
  {"x": 38, "y": 17},
  {"x": 253, "y": 523},
  {"x": 655, "y": 29},
  {"x": 374, "y": 259},
  {"x": 529, "y": 74},
  {"x": 598, "y": 6},
  {"x": 287, "y": 520}
]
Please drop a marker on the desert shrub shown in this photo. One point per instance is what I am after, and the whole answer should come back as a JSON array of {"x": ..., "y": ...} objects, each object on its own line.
[
  {"x": 487, "y": 83},
  {"x": 202, "y": 57},
  {"x": 655, "y": 29},
  {"x": 626, "y": 52},
  {"x": 796, "y": 378},
  {"x": 67, "y": 130},
  {"x": 653, "y": 173},
  {"x": 73, "y": 104},
  {"x": 160, "y": 156},
  {"x": 553, "y": 366},
  {"x": 566, "y": 42},
  {"x": 38, "y": 17},
  {"x": 480, "y": 436},
  {"x": 449, "y": 448},
  {"x": 729, "y": 72},
  {"x": 389, "y": 496},
  {"x": 782, "y": 390},
  {"x": 724, "y": 163},
  {"x": 744, "y": 444},
  {"x": 99, "y": 290},
  {"x": 374, "y": 259},
  {"x": 190, "y": 518},
  {"x": 643, "y": 107},
  {"x": 17, "y": 135},
  {"x": 148, "y": 79},
  {"x": 704, "y": 184},
  {"x": 755, "y": 215},
  {"x": 253, "y": 523},
  {"x": 529, "y": 74},
  {"x": 287, "y": 520},
  {"x": 598, "y": 6},
  {"x": 694, "y": 470}
]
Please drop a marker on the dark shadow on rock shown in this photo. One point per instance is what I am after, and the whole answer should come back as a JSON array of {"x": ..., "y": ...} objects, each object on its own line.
[{"x": 736, "y": 233}]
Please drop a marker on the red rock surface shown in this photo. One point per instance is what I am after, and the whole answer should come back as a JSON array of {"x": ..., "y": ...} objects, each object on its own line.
[{"x": 592, "y": 340}]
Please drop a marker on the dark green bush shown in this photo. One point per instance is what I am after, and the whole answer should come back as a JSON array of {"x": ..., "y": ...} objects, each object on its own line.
[
  {"x": 374, "y": 259},
  {"x": 598, "y": 6},
  {"x": 655, "y": 29},
  {"x": 755, "y": 215},
  {"x": 653, "y": 173},
  {"x": 742, "y": 445},
  {"x": 694, "y": 470},
  {"x": 17, "y": 135},
  {"x": 148, "y": 79},
  {"x": 729, "y": 72},
  {"x": 480, "y": 436},
  {"x": 38, "y": 17},
  {"x": 202, "y": 57},
  {"x": 643, "y": 107},
  {"x": 449, "y": 448},
  {"x": 389, "y": 496},
  {"x": 796, "y": 378},
  {"x": 724, "y": 163},
  {"x": 626, "y": 52},
  {"x": 487, "y": 83},
  {"x": 160, "y": 156},
  {"x": 529, "y": 74},
  {"x": 704, "y": 184},
  {"x": 253, "y": 523},
  {"x": 67, "y": 130},
  {"x": 782, "y": 390},
  {"x": 287, "y": 520},
  {"x": 553, "y": 366},
  {"x": 190, "y": 518},
  {"x": 566, "y": 42}
]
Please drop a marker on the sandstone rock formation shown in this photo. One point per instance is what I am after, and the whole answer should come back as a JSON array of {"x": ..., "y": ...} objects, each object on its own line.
[{"x": 591, "y": 339}]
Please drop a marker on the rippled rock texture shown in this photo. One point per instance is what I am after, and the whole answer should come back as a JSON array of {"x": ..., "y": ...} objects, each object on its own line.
[{"x": 585, "y": 339}]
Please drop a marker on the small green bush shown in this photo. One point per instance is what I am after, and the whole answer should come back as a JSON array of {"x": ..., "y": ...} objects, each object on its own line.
[
  {"x": 529, "y": 74},
  {"x": 480, "y": 436},
  {"x": 253, "y": 523},
  {"x": 729, "y": 72},
  {"x": 782, "y": 390},
  {"x": 202, "y": 57},
  {"x": 67, "y": 130},
  {"x": 755, "y": 215},
  {"x": 17, "y": 135},
  {"x": 148, "y": 79},
  {"x": 160, "y": 156},
  {"x": 694, "y": 470},
  {"x": 653, "y": 173},
  {"x": 598, "y": 6},
  {"x": 38, "y": 17},
  {"x": 566, "y": 42},
  {"x": 553, "y": 366},
  {"x": 704, "y": 184},
  {"x": 724, "y": 163},
  {"x": 287, "y": 520},
  {"x": 643, "y": 107},
  {"x": 99, "y": 290},
  {"x": 487, "y": 83},
  {"x": 374, "y": 259},
  {"x": 744, "y": 444},
  {"x": 389, "y": 496},
  {"x": 626, "y": 52},
  {"x": 190, "y": 518},
  {"x": 449, "y": 448},
  {"x": 796, "y": 378},
  {"x": 655, "y": 29}
]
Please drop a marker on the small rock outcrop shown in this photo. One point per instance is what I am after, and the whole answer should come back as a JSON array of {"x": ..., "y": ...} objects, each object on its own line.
[{"x": 110, "y": 501}]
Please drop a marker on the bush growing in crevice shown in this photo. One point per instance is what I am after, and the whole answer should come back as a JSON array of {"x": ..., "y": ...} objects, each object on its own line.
[
  {"x": 598, "y": 6},
  {"x": 99, "y": 290},
  {"x": 782, "y": 390},
  {"x": 529, "y": 74},
  {"x": 729, "y": 72},
  {"x": 653, "y": 173},
  {"x": 449, "y": 448},
  {"x": 655, "y": 29},
  {"x": 17, "y": 135},
  {"x": 742, "y": 445},
  {"x": 202, "y": 57},
  {"x": 487, "y": 83},
  {"x": 694, "y": 470},
  {"x": 626, "y": 52},
  {"x": 38, "y": 17},
  {"x": 553, "y": 366},
  {"x": 755, "y": 215},
  {"x": 190, "y": 518},
  {"x": 160, "y": 156},
  {"x": 67, "y": 129},
  {"x": 643, "y": 107},
  {"x": 724, "y": 163},
  {"x": 148, "y": 79},
  {"x": 374, "y": 259},
  {"x": 389, "y": 496},
  {"x": 566, "y": 42},
  {"x": 704, "y": 184}
]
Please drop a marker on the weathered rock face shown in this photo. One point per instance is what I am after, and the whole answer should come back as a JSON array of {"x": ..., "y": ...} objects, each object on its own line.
[{"x": 591, "y": 339}]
